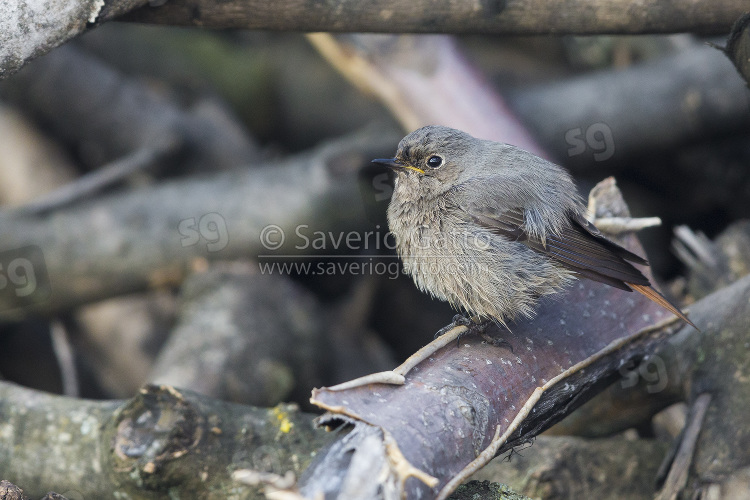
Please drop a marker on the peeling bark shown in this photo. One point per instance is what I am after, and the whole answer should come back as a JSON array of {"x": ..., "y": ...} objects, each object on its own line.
[{"x": 457, "y": 409}]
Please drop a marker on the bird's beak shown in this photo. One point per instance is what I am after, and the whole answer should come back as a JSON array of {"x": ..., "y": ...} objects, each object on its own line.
[{"x": 396, "y": 164}]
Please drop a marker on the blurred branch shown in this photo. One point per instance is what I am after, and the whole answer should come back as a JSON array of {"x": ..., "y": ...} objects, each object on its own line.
[
  {"x": 713, "y": 264},
  {"x": 162, "y": 442},
  {"x": 738, "y": 46},
  {"x": 105, "y": 176},
  {"x": 275, "y": 343},
  {"x": 650, "y": 106},
  {"x": 152, "y": 237},
  {"x": 268, "y": 348},
  {"x": 613, "y": 468},
  {"x": 33, "y": 163},
  {"x": 426, "y": 80},
  {"x": 519, "y": 17},
  {"x": 122, "y": 118},
  {"x": 29, "y": 29},
  {"x": 54, "y": 26},
  {"x": 677, "y": 478}
]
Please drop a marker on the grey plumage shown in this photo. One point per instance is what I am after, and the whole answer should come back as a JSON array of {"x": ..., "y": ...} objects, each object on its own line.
[{"x": 491, "y": 228}]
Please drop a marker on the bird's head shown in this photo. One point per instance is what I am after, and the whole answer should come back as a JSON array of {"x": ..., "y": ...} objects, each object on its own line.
[{"x": 431, "y": 160}]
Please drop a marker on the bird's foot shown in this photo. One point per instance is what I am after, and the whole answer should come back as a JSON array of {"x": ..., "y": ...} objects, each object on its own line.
[
  {"x": 493, "y": 338},
  {"x": 474, "y": 326},
  {"x": 458, "y": 320}
]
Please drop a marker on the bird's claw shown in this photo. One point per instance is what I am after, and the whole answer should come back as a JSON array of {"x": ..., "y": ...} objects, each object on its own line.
[
  {"x": 458, "y": 320},
  {"x": 495, "y": 340},
  {"x": 473, "y": 326}
]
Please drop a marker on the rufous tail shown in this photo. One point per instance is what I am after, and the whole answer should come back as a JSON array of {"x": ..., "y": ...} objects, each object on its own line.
[{"x": 651, "y": 294}]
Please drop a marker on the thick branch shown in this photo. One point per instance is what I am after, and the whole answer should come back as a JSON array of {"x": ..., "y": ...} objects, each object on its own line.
[
  {"x": 518, "y": 17},
  {"x": 612, "y": 468},
  {"x": 163, "y": 442},
  {"x": 651, "y": 106},
  {"x": 738, "y": 46},
  {"x": 464, "y": 404},
  {"x": 152, "y": 237},
  {"x": 268, "y": 341},
  {"x": 31, "y": 28},
  {"x": 117, "y": 115},
  {"x": 43, "y": 27},
  {"x": 602, "y": 116},
  {"x": 454, "y": 398}
]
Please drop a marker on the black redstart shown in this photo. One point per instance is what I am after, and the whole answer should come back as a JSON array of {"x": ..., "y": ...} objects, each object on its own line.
[{"x": 491, "y": 228}]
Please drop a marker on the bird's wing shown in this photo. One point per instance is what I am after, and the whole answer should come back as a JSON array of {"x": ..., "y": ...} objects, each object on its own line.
[{"x": 579, "y": 246}]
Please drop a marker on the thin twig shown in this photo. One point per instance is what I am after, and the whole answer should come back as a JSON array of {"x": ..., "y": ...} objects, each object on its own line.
[
  {"x": 678, "y": 474},
  {"x": 108, "y": 175},
  {"x": 65, "y": 359}
]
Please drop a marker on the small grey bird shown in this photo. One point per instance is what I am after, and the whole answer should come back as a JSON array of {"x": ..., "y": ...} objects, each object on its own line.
[{"x": 491, "y": 228}]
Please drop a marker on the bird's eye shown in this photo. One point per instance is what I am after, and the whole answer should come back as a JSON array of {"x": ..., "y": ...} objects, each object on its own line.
[{"x": 434, "y": 161}]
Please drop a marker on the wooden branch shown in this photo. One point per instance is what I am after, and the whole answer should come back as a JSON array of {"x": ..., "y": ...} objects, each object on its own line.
[
  {"x": 106, "y": 176},
  {"x": 738, "y": 46},
  {"x": 715, "y": 361},
  {"x": 463, "y": 405},
  {"x": 162, "y": 442},
  {"x": 122, "y": 116},
  {"x": 272, "y": 344},
  {"x": 661, "y": 379},
  {"x": 427, "y": 80},
  {"x": 261, "y": 353},
  {"x": 147, "y": 238},
  {"x": 571, "y": 467},
  {"x": 678, "y": 475},
  {"x": 53, "y": 26},
  {"x": 518, "y": 17},
  {"x": 31, "y": 28},
  {"x": 712, "y": 265},
  {"x": 637, "y": 109},
  {"x": 447, "y": 410}
]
